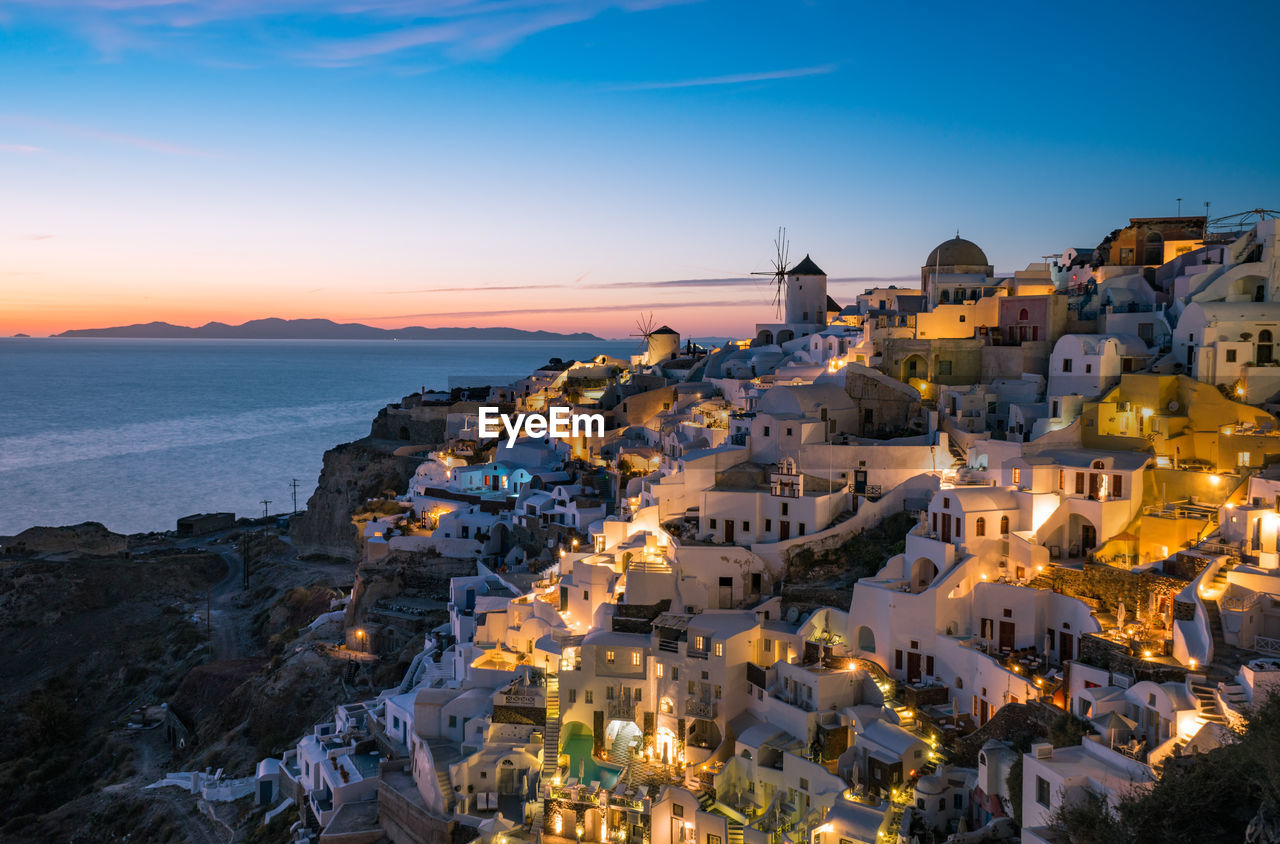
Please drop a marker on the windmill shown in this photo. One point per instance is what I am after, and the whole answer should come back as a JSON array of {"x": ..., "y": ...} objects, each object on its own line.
[
  {"x": 779, "y": 272},
  {"x": 645, "y": 329}
]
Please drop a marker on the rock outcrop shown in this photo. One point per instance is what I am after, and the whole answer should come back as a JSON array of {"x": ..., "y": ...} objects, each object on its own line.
[
  {"x": 90, "y": 539},
  {"x": 353, "y": 472}
]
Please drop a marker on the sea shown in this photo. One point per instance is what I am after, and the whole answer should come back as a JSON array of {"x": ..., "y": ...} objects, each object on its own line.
[{"x": 137, "y": 433}]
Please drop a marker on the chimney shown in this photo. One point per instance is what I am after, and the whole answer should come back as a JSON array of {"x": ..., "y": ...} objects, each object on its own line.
[{"x": 1042, "y": 750}]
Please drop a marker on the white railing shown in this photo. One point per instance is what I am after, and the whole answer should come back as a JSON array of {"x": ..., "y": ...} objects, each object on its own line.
[{"x": 1266, "y": 644}]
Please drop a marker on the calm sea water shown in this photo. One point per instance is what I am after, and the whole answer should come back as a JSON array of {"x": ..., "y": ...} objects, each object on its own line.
[{"x": 135, "y": 433}]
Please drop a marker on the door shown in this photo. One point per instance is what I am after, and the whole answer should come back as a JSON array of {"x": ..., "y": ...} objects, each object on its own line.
[
  {"x": 1006, "y": 635},
  {"x": 984, "y": 711},
  {"x": 728, "y": 530},
  {"x": 1088, "y": 537},
  {"x": 946, "y": 528},
  {"x": 507, "y": 780},
  {"x": 1066, "y": 646},
  {"x": 726, "y": 593},
  {"x": 784, "y": 531},
  {"x": 913, "y": 667}
]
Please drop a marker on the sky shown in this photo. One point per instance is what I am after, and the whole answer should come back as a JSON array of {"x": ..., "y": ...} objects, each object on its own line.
[{"x": 572, "y": 164}]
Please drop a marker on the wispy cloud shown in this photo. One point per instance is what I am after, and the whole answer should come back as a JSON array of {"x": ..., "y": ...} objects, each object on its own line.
[
  {"x": 37, "y": 236},
  {"x": 579, "y": 309},
  {"x": 732, "y": 79},
  {"x": 292, "y": 29},
  {"x": 97, "y": 134},
  {"x": 20, "y": 149}
]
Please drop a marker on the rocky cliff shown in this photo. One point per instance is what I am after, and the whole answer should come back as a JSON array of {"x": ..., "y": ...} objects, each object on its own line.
[
  {"x": 352, "y": 473},
  {"x": 88, "y": 538}
]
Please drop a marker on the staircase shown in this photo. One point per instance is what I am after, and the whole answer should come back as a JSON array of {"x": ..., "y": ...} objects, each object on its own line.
[
  {"x": 706, "y": 800},
  {"x": 446, "y": 788},
  {"x": 1215, "y": 628},
  {"x": 1207, "y": 703},
  {"x": 735, "y": 832},
  {"x": 620, "y": 751},
  {"x": 551, "y": 735}
]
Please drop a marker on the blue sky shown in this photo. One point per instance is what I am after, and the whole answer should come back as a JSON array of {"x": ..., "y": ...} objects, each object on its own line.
[{"x": 388, "y": 160}]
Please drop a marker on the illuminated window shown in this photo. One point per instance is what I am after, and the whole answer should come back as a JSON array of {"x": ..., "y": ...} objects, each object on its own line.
[
  {"x": 1017, "y": 475},
  {"x": 719, "y": 648},
  {"x": 635, "y": 658},
  {"x": 661, "y": 670},
  {"x": 980, "y": 527},
  {"x": 700, "y": 642},
  {"x": 608, "y": 657}
]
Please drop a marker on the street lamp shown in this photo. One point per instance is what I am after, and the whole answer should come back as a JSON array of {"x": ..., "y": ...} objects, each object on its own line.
[{"x": 360, "y": 640}]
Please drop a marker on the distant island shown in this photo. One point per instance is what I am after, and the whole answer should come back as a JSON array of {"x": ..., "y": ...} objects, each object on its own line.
[{"x": 315, "y": 329}]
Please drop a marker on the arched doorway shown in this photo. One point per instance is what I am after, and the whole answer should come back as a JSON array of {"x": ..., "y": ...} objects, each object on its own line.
[
  {"x": 923, "y": 571},
  {"x": 914, "y": 366},
  {"x": 866, "y": 640}
]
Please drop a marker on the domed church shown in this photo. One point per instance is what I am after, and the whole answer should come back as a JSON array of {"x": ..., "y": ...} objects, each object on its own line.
[{"x": 954, "y": 257}]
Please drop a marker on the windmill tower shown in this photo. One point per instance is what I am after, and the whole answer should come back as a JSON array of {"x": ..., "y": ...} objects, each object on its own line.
[
  {"x": 656, "y": 344},
  {"x": 799, "y": 292}
]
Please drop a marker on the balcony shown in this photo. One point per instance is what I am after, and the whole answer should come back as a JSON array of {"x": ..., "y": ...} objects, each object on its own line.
[
  {"x": 622, "y": 710},
  {"x": 701, "y": 708}
]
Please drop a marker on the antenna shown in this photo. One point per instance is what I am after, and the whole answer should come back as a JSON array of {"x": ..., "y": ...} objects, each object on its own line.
[
  {"x": 779, "y": 272},
  {"x": 266, "y": 502},
  {"x": 1179, "y": 206}
]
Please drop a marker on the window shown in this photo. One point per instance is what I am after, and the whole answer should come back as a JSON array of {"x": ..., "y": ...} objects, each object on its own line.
[
  {"x": 573, "y": 696},
  {"x": 784, "y": 509},
  {"x": 635, "y": 659},
  {"x": 980, "y": 527},
  {"x": 586, "y": 594},
  {"x": 1062, "y": 476},
  {"x": 661, "y": 670},
  {"x": 677, "y": 810},
  {"x": 746, "y": 526},
  {"x": 768, "y": 525},
  {"x": 1079, "y": 483},
  {"x": 1066, "y": 364},
  {"x": 590, "y": 696},
  {"x": 766, "y": 430},
  {"x": 700, "y": 642},
  {"x": 675, "y": 674},
  {"x": 608, "y": 657},
  {"x": 804, "y": 784},
  {"x": 1117, "y": 486},
  {"x": 692, "y": 687},
  {"x": 453, "y": 720},
  {"x": 788, "y": 431},
  {"x": 719, "y": 648},
  {"x": 768, "y": 646},
  {"x": 1017, "y": 475},
  {"x": 1088, "y": 369},
  {"x": 1231, "y": 355},
  {"x": 1023, "y": 316},
  {"x": 713, "y": 839},
  {"x": 713, "y": 524},
  {"x": 719, "y": 693},
  {"x": 609, "y": 693},
  {"x": 1004, "y": 525},
  {"x": 1042, "y": 791},
  {"x": 944, "y": 367},
  {"x": 800, "y": 530}
]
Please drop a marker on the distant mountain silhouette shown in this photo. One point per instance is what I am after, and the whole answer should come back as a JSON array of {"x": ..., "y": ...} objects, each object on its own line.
[{"x": 316, "y": 329}]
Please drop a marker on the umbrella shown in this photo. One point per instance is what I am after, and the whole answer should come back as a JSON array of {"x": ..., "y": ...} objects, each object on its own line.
[{"x": 1114, "y": 723}]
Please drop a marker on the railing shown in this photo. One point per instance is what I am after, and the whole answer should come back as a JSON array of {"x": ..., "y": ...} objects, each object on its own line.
[
  {"x": 1266, "y": 644},
  {"x": 671, "y": 646},
  {"x": 1239, "y": 604},
  {"x": 622, "y": 709},
  {"x": 700, "y": 708}
]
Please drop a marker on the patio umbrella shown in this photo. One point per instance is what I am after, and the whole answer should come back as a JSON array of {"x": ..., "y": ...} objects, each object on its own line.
[{"x": 1113, "y": 724}]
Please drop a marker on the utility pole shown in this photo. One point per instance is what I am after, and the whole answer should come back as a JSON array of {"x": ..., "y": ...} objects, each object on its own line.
[
  {"x": 1179, "y": 206},
  {"x": 294, "y": 484},
  {"x": 244, "y": 559},
  {"x": 266, "y": 502}
]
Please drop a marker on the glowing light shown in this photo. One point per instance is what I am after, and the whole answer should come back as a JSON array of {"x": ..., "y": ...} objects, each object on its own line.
[
  {"x": 1147, "y": 412},
  {"x": 1192, "y": 663},
  {"x": 1215, "y": 479},
  {"x": 1240, "y": 392},
  {"x": 984, "y": 575},
  {"x": 1146, "y": 654}
]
